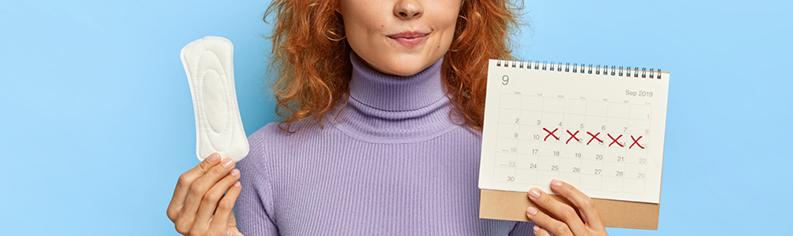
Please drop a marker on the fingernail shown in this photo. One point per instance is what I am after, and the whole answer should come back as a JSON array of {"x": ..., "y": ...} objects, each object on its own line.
[
  {"x": 228, "y": 162},
  {"x": 237, "y": 184},
  {"x": 235, "y": 172},
  {"x": 534, "y": 193},
  {"x": 213, "y": 158},
  {"x": 556, "y": 182},
  {"x": 536, "y": 228},
  {"x": 531, "y": 210}
]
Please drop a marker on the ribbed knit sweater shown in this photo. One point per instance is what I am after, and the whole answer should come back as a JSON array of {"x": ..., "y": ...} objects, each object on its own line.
[{"x": 393, "y": 162}]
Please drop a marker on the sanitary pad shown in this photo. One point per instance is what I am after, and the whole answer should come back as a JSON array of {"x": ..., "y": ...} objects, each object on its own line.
[{"x": 210, "y": 72}]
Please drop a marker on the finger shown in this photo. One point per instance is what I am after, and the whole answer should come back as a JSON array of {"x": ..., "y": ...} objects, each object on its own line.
[
  {"x": 579, "y": 200},
  {"x": 558, "y": 209},
  {"x": 211, "y": 199},
  {"x": 184, "y": 182},
  {"x": 232, "y": 225},
  {"x": 224, "y": 216},
  {"x": 197, "y": 191},
  {"x": 232, "y": 218},
  {"x": 235, "y": 232},
  {"x": 547, "y": 222},
  {"x": 539, "y": 231}
]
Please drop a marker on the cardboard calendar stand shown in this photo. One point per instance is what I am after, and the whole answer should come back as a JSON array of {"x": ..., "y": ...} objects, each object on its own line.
[{"x": 508, "y": 205}]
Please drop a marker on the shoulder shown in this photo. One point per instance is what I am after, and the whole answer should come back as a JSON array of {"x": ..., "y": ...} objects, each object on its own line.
[
  {"x": 276, "y": 133},
  {"x": 265, "y": 135},
  {"x": 275, "y": 140},
  {"x": 261, "y": 143}
]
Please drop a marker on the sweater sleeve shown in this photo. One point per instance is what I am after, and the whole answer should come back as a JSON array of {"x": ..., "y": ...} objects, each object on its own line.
[
  {"x": 522, "y": 229},
  {"x": 254, "y": 208}
]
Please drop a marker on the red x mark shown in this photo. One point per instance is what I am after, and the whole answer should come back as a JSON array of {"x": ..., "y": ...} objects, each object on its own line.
[
  {"x": 636, "y": 142},
  {"x": 572, "y": 136},
  {"x": 615, "y": 140},
  {"x": 550, "y": 133},
  {"x": 594, "y": 137}
]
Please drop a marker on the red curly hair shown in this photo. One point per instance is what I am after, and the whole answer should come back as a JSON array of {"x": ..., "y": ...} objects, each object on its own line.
[{"x": 312, "y": 57}]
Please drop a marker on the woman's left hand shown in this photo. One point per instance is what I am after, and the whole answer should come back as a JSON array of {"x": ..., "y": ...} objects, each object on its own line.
[{"x": 560, "y": 219}]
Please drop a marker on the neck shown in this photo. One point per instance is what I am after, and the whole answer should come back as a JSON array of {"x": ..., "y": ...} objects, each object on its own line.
[
  {"x": 388, "y": 108},
  {"x": 395, "y": 93}
]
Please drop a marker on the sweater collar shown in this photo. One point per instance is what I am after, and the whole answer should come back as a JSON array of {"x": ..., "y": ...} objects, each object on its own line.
[
  {"x": 394, "y": 109},
  {"x": 395, "y": 93}
]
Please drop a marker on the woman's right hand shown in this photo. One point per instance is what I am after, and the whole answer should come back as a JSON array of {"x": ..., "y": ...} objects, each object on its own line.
[{"x": 204, "y": 197}]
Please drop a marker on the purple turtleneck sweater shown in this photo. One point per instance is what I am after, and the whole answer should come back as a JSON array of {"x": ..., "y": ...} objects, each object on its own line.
[{"x": 393, "y": 162}]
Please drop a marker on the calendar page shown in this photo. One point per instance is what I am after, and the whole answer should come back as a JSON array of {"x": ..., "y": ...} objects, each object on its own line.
[{"x": 600, "y": 129}]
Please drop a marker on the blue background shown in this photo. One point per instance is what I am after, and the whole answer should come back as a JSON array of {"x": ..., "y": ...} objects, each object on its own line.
[{"x": 97, "y": 121}]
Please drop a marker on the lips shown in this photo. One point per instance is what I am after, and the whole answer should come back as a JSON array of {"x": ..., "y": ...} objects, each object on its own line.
[{"x": 409, "y": 38}]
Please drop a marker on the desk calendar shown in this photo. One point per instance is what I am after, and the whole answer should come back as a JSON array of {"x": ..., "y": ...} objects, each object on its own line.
[{"x": 599, "y": 128}]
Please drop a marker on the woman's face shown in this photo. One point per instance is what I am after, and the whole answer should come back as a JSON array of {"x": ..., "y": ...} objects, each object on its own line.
[{"x": 400, "y": 37}]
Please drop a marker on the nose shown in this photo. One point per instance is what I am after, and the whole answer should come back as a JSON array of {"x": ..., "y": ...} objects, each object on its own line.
[{"x": 407, "y": 10}]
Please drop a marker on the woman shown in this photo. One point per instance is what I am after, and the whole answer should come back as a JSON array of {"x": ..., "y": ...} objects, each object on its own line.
[{"x": 382, "y": 133}]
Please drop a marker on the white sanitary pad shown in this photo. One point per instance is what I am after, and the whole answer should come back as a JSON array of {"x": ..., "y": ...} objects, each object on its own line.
[{"x": 210, "y": 73}]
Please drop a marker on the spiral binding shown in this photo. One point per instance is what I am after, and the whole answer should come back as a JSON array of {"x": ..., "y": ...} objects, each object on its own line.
[{"x": 621, "y": 71}]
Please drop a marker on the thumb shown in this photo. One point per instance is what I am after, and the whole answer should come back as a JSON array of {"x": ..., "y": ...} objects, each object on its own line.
[
  {"x": 232, "y": 221},
  {"x": 232, "y": 227}
]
